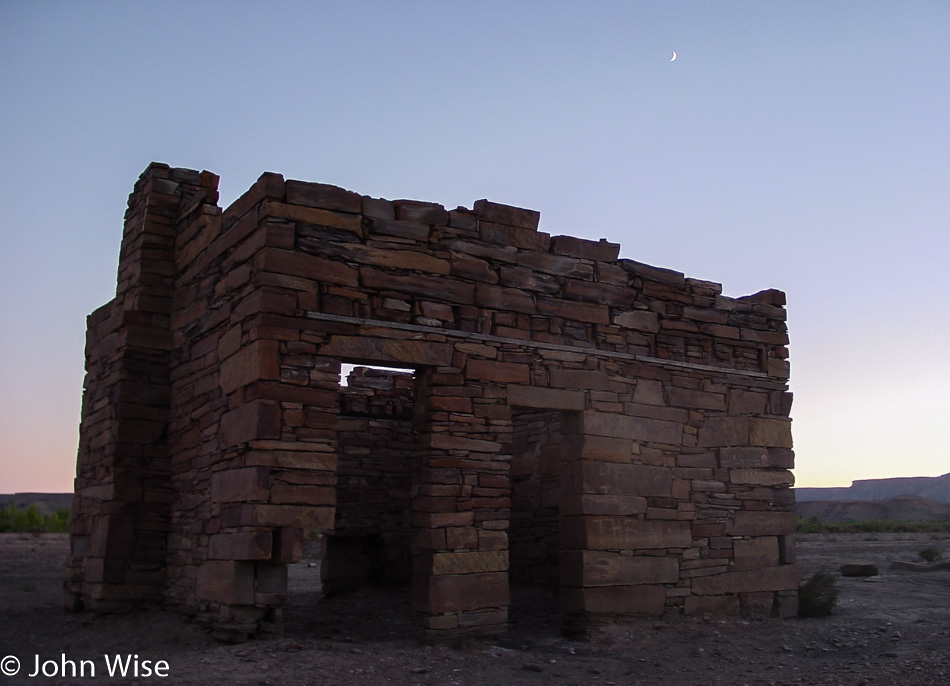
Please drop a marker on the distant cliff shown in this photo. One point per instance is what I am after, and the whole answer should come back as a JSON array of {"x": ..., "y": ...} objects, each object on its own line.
[
  {"x": 930, "y": 487},
  {"x": 907, "y": 508}
]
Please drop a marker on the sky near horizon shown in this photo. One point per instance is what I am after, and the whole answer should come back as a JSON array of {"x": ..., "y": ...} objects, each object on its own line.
[{"x": 799, "y": 145}]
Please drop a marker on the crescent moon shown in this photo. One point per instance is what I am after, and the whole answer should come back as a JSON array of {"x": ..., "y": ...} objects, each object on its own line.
[{"x": 673, "y": 58}]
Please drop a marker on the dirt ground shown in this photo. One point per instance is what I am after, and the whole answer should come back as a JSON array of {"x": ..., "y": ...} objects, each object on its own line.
[{"x": 891, "y": 630}]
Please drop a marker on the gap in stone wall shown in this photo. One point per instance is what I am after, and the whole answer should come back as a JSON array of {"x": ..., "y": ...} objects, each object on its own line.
[
  {"x": 539, "y": 442},
  {"x": 369, "y": 543}
]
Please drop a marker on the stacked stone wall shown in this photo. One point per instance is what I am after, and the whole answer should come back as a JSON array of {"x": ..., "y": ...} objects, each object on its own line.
[{"x": 664, "y": 402}]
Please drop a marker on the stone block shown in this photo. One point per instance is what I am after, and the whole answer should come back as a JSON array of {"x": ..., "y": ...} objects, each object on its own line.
[
  {"x": 593, "y": 504},
  {"x": 308, "y": 266},
  {"x": 448, "y": 442},
  {"x": 745, "y": 458},
  {"x": 249, "y": 545},
  {"x": 436, "y": 520},
  {"x": 247, "y": 484},
  {"x": 556, "y": 265},
  {"x": 257, "y": 419},
  {"x": 612, "y": 478},
  {"x": 268, "y": 185},
  {"x": 467, "y": 267},
  {"x": 615, "y": 600},
  {"x": 106, "y": 570},
  {"x": 770, "y": 296},
  {"x": 606, "y": 294},
  {"x": 700, "y": 400},
  {"x": 574, "y": 311},
  {"x": 270, "y": 578},
  {"x": 748, "y": 523},
  {"x": 859, "y": 569},
  {"x": 639, "y": 320},
  {"x": 656, "y": 431},
  {"x": 526, "y": 279},
  {"x": 606, "y": 449},
  {"x": 779, "y": 578},
  {"x": 421, "y": 212},
  {"x": 658, "y": 274},
  {"x": 419, "y": 285},
  {"x": 303, "y": 456},
  {"x": 382, "y": 256},
  {"x": 506, "y": 299},
  {"x": 706, "y": 460},
  {"x": 461, "y": 537},
  {"x": 470, "y": 563},
  {"x": 778, "y": 368},
  {"x": 529, "y": 240},
  {"x": 649, "y": 392},
  {"x": 373, "y": 349},
  {"x": 623, "y": 533},
  {"x": 323, "y": 196},
  {"x": 545, "y": 398},
  {"x": 281, "y": 494},
  {"x": 786, "y": 549},
  {"x": 762, "y": 477},
  {"x": 492, "y": 540},
  {"x": 724, "y": 431},
  {"x": 226, "y": 581},
  {"x": 786, "y": 605},
  {"x": 290, "y": 516},
  {"x": 770, "y": 433},
  {"x": 257, "y": 360},
  {"x": 460, "y": 592},
  {"x": 705, "y": 314},
  {"x": 607, "y": 424},
  {"x": 602, "y": 478},
  {"x": 287, "y": 545},
  {"x": 587, "y": 568},
  {"x": 589, "y": 380},
  {"x": 450, "y": 403},
  {"x": 490, "y": 370},
  {"x": 497, "y": 213},
  {"x": 601, "y": 250},
  {"x": 755, "y": 553},
  {"x": 746, "y": 402}
]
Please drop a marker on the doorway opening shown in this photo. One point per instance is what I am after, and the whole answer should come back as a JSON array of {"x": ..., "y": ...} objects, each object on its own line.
[
  {"x": 369, "y": 542},
  {"x": 540, "y": 449}
]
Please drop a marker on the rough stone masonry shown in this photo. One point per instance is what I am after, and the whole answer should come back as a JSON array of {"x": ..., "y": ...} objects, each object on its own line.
[{"x": 610, "y": 429}]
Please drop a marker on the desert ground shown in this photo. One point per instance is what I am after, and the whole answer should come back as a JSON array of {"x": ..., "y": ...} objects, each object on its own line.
[{"x": 893, "y": 629}]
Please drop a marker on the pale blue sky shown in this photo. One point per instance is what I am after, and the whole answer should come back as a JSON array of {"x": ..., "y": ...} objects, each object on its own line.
[{"x": 795, "y": 145}]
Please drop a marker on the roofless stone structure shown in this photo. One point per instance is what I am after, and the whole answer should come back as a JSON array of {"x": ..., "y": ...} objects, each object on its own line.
[{"x": 610, "y": 429}]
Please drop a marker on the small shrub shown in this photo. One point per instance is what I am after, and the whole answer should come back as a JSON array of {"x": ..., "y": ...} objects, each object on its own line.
[
  {"x": 818, "y": 596},
  {"x": 930, "y": 554}
]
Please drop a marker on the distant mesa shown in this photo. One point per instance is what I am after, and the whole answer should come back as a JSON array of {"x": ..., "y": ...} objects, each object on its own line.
[
  {"x": 935, "y": 488},
  {"x": 903, "y": 508}
]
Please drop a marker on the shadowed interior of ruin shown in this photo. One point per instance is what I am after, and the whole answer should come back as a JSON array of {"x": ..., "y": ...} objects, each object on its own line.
[{"x": 369, "y": 545}]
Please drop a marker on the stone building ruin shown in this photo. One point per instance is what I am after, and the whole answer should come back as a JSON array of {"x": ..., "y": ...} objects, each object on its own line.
[{"x": 600, "y": 426}]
